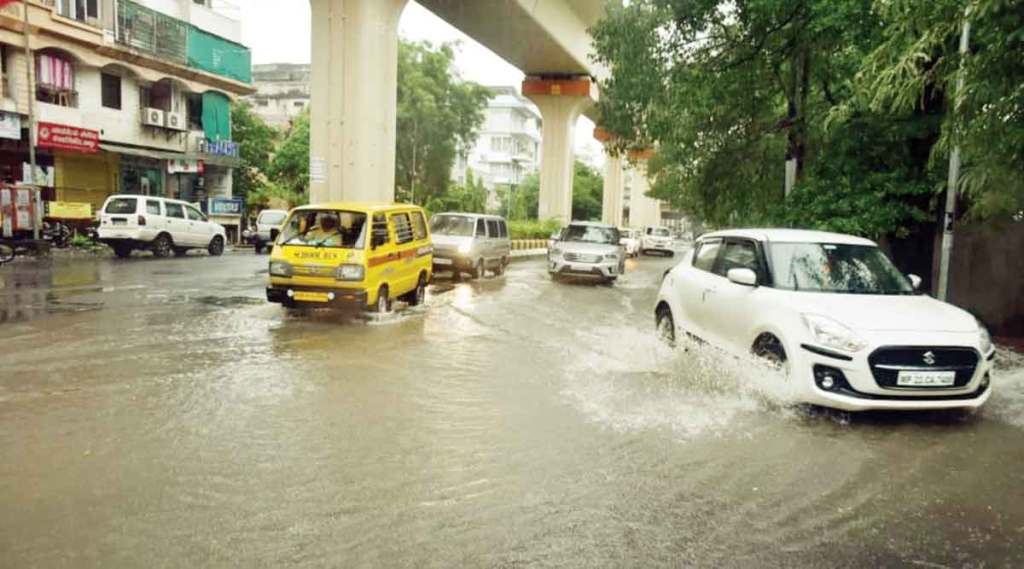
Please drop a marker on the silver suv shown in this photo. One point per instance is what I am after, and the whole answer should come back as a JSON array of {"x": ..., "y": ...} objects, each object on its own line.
[
  {"x": 587, "y": 249},
  {"x": 470, "y": 243}
]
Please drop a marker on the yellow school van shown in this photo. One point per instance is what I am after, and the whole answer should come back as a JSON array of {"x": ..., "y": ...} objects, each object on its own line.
[{"x": 351, "y": 255}]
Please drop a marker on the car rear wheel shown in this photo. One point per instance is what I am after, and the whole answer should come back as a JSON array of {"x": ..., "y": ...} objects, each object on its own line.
[
  {"x": 162, "y": 245},
  {"x": 665, "y": 325},
  {"x": 216, "y": 247}
]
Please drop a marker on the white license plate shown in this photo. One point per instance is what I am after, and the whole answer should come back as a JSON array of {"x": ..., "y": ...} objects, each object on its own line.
[
  {"x": 438, "y": 261},
  {"x": 925, "y": 378}
]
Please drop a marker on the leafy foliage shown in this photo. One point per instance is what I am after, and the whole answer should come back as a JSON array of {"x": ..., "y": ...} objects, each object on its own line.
[
  {"x": 470, "y": 197},
  {"x": 289, "y": 169},
  {"x": 256, "y": 143},
  {"x": 587, "y": 195},
  {"x": 533, "y": 228}
]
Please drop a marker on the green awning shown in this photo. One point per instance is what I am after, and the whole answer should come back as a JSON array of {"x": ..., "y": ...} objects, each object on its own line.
[{"x": 216, "y": 116}]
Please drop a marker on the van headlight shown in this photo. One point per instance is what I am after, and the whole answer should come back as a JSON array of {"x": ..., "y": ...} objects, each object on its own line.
[
  {"x": 349, "y": 272},
  {"x": 281, "y": 269},
  {"x": 984, "y": 339},
  {"x": 831, "y": 334}
]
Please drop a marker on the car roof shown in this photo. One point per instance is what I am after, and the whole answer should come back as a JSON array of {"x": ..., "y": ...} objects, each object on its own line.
[
  {"x": 142, "y": 197},
  {"x": 368, "y": 207},
  {"x": 791, "y": 236}
]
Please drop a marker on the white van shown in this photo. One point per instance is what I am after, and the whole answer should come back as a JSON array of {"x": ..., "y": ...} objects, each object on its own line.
[{"x": 160, "y": 225}]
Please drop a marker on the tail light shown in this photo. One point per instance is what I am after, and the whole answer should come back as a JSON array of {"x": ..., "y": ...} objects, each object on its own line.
[{"x": 142, "y": 220}]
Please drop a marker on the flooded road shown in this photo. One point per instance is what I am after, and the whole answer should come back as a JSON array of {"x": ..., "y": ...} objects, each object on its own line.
[{"x": 159, "y": 413}]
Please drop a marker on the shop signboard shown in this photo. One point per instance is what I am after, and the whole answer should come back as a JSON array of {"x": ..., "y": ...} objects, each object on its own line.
[
  {"x": 10, "y": 126},
  {"x": 71, "y": 138},
  {"x": 69, "y": 210},
  {"x": 228, "y": 207},
  {"x": 218, "y": 147},
  {"x": 184, "y": 166}
]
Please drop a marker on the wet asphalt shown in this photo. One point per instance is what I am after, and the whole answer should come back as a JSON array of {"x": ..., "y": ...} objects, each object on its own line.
[{"x": 159, "y": 413}]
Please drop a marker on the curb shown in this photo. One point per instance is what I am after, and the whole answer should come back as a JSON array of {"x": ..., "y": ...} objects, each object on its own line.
[{"x": 527, "y": 244}]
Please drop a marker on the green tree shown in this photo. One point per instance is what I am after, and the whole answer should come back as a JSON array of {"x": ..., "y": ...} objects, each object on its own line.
[
  {"x": 438, "y": 113},
  {"x": 471, "y": 196},
  {"x": 290, "y": 166},
  {"x": 525, "y": 198},
  {"x": 256, "y": 142},
  {"x": 587, "y": 193}
]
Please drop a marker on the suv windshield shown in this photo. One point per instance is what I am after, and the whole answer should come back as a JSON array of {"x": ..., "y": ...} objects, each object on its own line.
[
  {"x": 121, "y": 205},
  {"x": 827, "y": 267},
  {"x": 457, "y": 225},
  {"x": 271, "y": 218},
  {"x": 591, "y": 234},
  {"x": 325, "y": 228},
  {"x": 661, "y": 232}
]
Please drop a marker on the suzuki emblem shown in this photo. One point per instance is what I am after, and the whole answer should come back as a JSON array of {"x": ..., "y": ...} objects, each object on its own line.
[{"x": 929, "y": 358}]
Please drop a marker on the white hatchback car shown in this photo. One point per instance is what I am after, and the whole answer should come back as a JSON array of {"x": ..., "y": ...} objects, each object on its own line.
[
  {"x": 656, "y": 238},
  {"x": 849, "y": 330},
  {"x": 163, "y": 226}
]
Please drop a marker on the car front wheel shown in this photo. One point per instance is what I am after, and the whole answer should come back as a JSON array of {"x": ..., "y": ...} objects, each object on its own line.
[
  {"x": 665, "y": 325},
  {"x": 216, "y": 247}
]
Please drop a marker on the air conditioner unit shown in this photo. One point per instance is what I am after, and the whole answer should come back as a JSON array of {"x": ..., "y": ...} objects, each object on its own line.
[
  {"x": 176, "y": 121},
  {"x": 152, "y": 117}
]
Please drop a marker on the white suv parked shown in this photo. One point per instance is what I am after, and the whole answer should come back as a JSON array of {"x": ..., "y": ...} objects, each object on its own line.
[
  {"x": 832, "y": 311},
  {"x": 161, "y": 225}
]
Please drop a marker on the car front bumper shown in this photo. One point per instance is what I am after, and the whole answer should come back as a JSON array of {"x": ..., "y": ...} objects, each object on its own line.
[
  {"x": 290, "y": 295},
  {"x": 604, "y": 269}
]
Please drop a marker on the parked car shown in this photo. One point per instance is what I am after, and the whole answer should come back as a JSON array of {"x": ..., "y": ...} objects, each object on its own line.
[
  {"x": 630, "y": 240},
  {"x": 267, "y": 227},
  {"x": 833, "y": 312},
  {"x": 160, "y": 225},
  {"x": 588, "y": 249},
  {"x": 470, "y": 243},
  {"x": 658, "y": 239},
  {"x": 351, "y": 255}
]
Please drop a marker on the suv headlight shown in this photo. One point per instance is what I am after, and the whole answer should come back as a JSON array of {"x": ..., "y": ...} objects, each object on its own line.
[
  {"x": 281, "y": 269},
  {"x": 555, "y": 251},
  {"x": 611, "y": 257},
  {"x": 984, "y": 339},
  {"x": 832, "y": 334},
  {"x": 349, "y": 272}
]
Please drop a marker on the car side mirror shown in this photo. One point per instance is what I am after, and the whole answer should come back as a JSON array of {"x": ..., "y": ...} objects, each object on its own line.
[
  {"x": 380, "y": 237},
  {"x": 745, "y": 277},
  {"x": 915, "y": 281}
]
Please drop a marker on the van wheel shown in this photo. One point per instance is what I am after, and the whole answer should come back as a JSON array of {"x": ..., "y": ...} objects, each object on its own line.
[
  {"x": 478, "y": 269},
  {"x": 162, "y": 245},
  {"x": 180, "y": 251},
  {"x": 122, "y": 251},
  {"x": 216, "y": 247},
  {"x": 383, "y": 305},
  {"x": 500, "y": 269},
  {"x": 418, "y": 294}
]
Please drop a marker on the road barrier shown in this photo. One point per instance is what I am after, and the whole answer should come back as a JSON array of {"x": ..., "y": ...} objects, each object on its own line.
[{"x": 523, "y": 244}]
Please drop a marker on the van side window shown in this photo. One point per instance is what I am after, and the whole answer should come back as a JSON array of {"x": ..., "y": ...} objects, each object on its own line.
[
  {"x": 380, "y": 225},
  {"x": 706, "y": 254},
  {"x": 175, "y": 210},
  {"x": 419, "y": 225},
  {"x": 481, "y": 228},
  {"x": 492, "y": 227},
  {"x": 502, "y": 229},
  {"x": 153, "y": 207},
  {"x": 402, "y": 227}
]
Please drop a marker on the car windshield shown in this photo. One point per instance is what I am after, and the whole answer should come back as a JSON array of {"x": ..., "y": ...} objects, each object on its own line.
[
  {"x": 840, "y": 268},
  {"x": 591, "y": 234},
  {"x": 325, "y": 228},
  {"x": 272, "y": 217},
  {"x": 661, "y": 232},
  {"x": 457, "y": 225},
  {"x": 121, "y": 205}
]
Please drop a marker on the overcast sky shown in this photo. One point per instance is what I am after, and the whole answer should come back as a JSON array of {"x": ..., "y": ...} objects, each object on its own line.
[{"x": 263, "y": 21}]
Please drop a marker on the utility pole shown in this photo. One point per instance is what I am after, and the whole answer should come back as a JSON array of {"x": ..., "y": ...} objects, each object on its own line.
[
  {"x": 30, "y": 92},
  {"x": 954, "y": 170}
]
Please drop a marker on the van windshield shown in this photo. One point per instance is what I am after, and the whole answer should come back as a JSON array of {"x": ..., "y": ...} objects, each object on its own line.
[
  {"x": 456, "y": 225},
  {"x": 325, "y": 228},
  {"x": 121, "y": 205}
]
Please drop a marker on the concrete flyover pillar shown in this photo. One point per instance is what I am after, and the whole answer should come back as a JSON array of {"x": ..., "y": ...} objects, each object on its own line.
[
  {"x": 560, "y": 101},
  {"x": 643, "y": 210},
  {"x": 614, "y": 181},
  {"x": 353, "y": 99}
]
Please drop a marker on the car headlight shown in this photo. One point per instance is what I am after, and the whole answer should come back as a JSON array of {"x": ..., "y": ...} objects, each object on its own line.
[
  {"x": 984, "y": 339},
  {"x": 281, "y": 269},
  {"x": 465, "y": 247},
  {"x": 611, "y": 257},
  {"x": 348, "y": 272},
  {"x": 832, "y": 334}
]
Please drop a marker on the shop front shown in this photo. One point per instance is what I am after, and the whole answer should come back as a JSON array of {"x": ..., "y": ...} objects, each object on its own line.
[{"x": 227, "y": 212}]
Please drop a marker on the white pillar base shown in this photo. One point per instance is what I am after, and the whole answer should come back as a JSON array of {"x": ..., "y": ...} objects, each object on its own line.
[
  {"x": 614, "y": 182},
  {"x": 353, "y": 99},
  {"x": 643, "y": 210}
]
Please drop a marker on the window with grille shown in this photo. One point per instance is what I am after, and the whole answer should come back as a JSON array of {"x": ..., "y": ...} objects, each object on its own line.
[{"x": 403, "y": 228}]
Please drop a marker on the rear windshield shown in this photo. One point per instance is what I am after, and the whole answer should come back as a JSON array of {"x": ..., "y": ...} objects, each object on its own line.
[
  {"x": 272, "y": 217},
  {"x": 458, "y": 225},
  {"x": 325, "y": 228},
  {"x": 121, "y": 205}
]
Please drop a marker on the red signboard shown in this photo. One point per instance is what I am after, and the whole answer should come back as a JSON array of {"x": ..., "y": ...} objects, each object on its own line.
[{"x": 62, "y": 137}]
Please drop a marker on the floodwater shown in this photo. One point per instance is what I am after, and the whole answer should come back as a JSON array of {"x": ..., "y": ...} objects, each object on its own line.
[{"x": 158, "y": 413}]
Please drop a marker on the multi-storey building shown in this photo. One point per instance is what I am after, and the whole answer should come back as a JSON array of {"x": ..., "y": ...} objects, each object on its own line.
[
  {"x": 507, "y": 148},
  {"x": 128, "y": 97},
  {"x": 282, "y": 92}
]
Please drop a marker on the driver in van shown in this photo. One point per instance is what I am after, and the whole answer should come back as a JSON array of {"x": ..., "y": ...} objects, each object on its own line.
[{"x": 325, "y": 232}]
